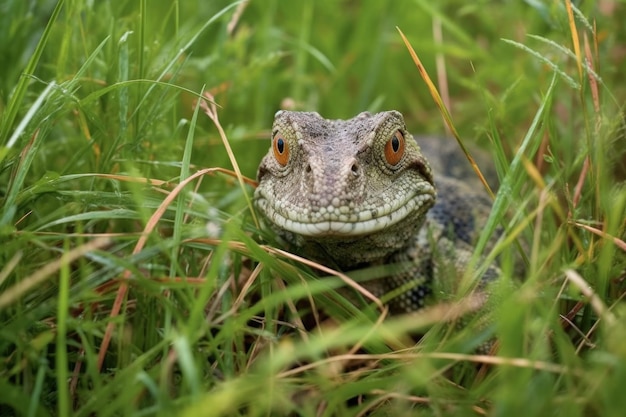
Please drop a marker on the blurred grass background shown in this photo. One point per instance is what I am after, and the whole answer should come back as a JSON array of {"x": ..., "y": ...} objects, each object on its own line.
[{"x": 96, "y": 99}]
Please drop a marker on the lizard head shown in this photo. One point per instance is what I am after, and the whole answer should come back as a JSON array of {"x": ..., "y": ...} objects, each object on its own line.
[{"x": 346, "y": 185}]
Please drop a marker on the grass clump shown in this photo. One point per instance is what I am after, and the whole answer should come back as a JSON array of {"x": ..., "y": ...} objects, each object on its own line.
[{"x": 133, "y": 275}]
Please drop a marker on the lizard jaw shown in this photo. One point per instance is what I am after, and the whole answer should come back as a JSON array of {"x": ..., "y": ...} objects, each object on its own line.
[{"x": 358, "y": 223}]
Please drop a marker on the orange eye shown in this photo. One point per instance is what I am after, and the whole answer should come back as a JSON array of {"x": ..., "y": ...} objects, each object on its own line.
[
  {"x": 281, "y": 149},
  {"x": 394, "y": 148}
]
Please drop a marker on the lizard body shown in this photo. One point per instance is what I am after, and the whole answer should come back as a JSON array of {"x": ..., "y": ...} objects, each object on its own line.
[{"x": 360, "y": 192}]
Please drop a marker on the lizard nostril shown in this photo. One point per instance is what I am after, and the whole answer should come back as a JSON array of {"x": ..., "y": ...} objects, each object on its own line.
[
  {"x": 308, "y": 168},
  {"x": 355, "y": 169}
]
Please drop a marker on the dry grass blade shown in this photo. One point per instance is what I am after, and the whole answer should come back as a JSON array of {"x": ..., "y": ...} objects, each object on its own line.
[
  {"x": 349, "y": 281},
  {"x": 578, "y": 190},
  {"x": 595, "y": 301},
  {"x": 10, "y": 265},
  {"x": 384, "y": 396},
  {"x": 140, "y": 180},
  {"x": 593, "y": 82},
  {"x": 617, "y": 241},
  {"x": 457, "y": 357},
  {"x": 575, "y": 38},
  {"x": 210, "y": 109},
  {"x": 13, "y": 294},
  {"x": 444, "y": 111},
  {"x": 150, "y": 225},
  {"x": 232, "y": 24}
]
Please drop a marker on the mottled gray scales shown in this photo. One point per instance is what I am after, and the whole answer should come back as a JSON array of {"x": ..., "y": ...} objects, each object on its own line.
[{"x": 359, "y": 192}]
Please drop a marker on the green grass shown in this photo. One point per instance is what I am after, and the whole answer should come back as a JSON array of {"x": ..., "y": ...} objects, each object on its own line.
[{"x": 100, "y": 244}]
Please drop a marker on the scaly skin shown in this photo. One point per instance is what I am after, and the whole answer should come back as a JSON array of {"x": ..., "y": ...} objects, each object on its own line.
[{"x": 359, "y": 192}]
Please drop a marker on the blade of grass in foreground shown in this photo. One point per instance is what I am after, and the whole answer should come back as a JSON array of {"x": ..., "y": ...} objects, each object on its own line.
[
  {"x": 527, "y": 147},
  {"x": 15, "y": 103},
  {"x": 184, "y": 174},
  {"x": 61, "y": 359}
]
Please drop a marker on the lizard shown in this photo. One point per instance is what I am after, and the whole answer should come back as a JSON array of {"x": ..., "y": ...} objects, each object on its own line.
[{"x": 360, "y": 192}]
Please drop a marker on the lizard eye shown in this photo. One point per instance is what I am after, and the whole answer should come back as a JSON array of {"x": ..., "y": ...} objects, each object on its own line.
[
  {"x": 394, "y": 148},
  {"x": 281, "y": 149}
]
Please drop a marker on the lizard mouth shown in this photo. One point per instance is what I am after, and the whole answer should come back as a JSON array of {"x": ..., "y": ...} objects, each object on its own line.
[{"x": 334, "y": 221}]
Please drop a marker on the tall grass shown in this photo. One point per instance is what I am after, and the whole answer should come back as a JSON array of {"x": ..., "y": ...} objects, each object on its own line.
[{"x": 135, "y": 280}]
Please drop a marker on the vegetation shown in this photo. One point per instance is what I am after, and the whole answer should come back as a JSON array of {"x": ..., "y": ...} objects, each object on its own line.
[{"x": 136, "y": 280}]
